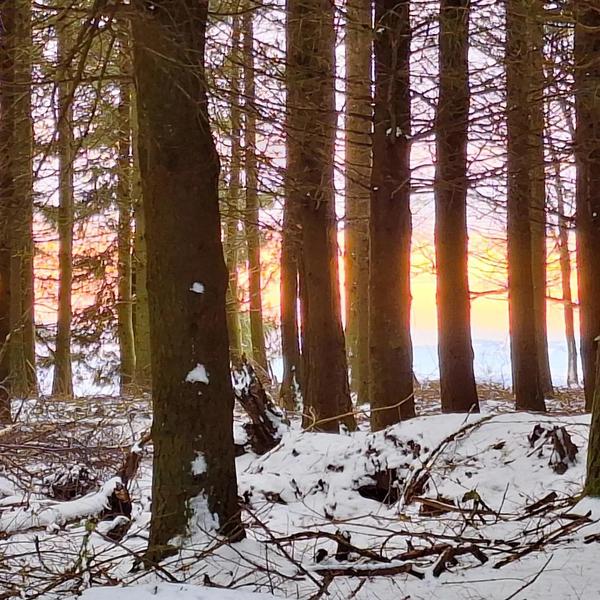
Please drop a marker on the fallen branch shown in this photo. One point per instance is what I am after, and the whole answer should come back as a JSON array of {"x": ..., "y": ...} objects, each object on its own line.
[
  {"x": 370, "y": 571},
  {"x": 111, "y": 500},
  {"x": 263, "y": 429},
  {"x": 415, "y": 482},
  {"x": 132, "y": 461},
  {"x": 335, "y": 537},
  {"x": 449, "y": 555},
  {"x": 531, "y": 581},
  {"x": 545, "y": 540}
]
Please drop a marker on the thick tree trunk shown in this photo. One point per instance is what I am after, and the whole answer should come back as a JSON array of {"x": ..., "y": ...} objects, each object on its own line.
[
  {"x": 587, "y": 145},
  {"x": 311, "y": 70},
  {"x": 232, "y": 217},
  {"x": 194, "y": 481},
  {"x": 538, "y": 191},
  {"x": 125, "y": 236},
  {"x": 390, "y": 356},
  {"x": 5, "y": 396},
  {"x": 22, "y": 348},
  {"x": 524, "y": 349},
  {"x": 62, "y": 383},
  {"x": 457, "y": 378},
  {"x": 587, "y": 156},
  {"x": 141, "y": 317},
  {"x": 358, "y": 46},
  {"x": 592, "y": 480},
  {"x": 257, "y": 334},
  {"x": 6, "y": 68}
]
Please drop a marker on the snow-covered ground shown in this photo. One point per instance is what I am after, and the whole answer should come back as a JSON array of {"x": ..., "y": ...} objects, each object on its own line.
[
  {"x": 170, "y": 591},
  {"x": 466, "y": 507}
]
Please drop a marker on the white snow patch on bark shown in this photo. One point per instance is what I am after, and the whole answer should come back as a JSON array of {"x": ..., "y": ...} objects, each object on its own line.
[
  {"x": 197, "y": 288},
  {"x": 199, "y": 464},
  {"x": 201, "y": 519},
  {"x": 197, "y": 375}
]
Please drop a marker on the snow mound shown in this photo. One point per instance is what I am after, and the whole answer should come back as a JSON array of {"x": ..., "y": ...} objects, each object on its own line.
[{"x": 330, "y": 476}]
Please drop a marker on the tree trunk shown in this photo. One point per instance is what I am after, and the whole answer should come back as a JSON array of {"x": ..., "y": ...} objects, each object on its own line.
[
  {"x": 62, "y": 383},
  {"x": 565, "y": 277},
  {"x": 22, "y": 348},
  {"x": 524, "y": 350},
  {"x": 141, "y": 320},
  {"x": 358, "y": 46},
  {"x": 390, "y": 356},
  {"x": 232, "y": 218},
  {"x": 457, "y": 378},
  {"x": 538, "y": 191},
  {"x": 587, "y": 157},
  {"x": 291, "y": 239},
  {"x": 194, "y": 482},
  {"x": 311, "y": 76},
  {"x": 6, "y": 68},
  {"x": 592, "y": 480},
  {"x": 125, "y": 234},
  {"x": 257, "y": 334},
  {"x": 291, "y": 385}
]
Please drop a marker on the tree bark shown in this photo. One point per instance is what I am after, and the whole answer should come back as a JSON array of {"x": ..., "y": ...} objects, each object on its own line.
[
  {"x": 587, "y": 157},
  {"x": 390, "y": 356},
  {"x": 538, "y": 192},
  {"x": 291, "y": 239},
  {"x": 291, "y": 384},
  {"x": 257, "y": 334},
  {"x": 311, "y": 77},
  {"x": 125, "y": 234},
  {"x": 358, "y": 48},
  {"x": 194, "y": 481},
  {"x": 6, "y": 68},
  {"x": 141, "y": 317},
  {"x": 22, "y": 346},
  {"x": 232, "y": 217},
  {"x": 455, "y": 348},
  {"x": 592, "y": 480},
  {"x": 524, "y": 349},
  {"x": 565, "y": 277},
  {"x": 62, "y": 383}
]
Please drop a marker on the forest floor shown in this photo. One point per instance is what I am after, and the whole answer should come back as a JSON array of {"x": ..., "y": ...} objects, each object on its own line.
[{"x": 482, "y": 506}]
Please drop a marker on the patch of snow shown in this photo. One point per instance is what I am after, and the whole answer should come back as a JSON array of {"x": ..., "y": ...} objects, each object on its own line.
[
  {"x": 105, "y": 527},
  {"x": 197, "y": 288},
  {"x": 199, "y": 464},
  {"x": 201, "y": 519},
  {"x": 197, "y": 375},
  {"x": 169, "y": 591},
  {"x": 7, "y": 487},
  {"x": 241, "y": 380},
  {"x": 588, "y": 504}
]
